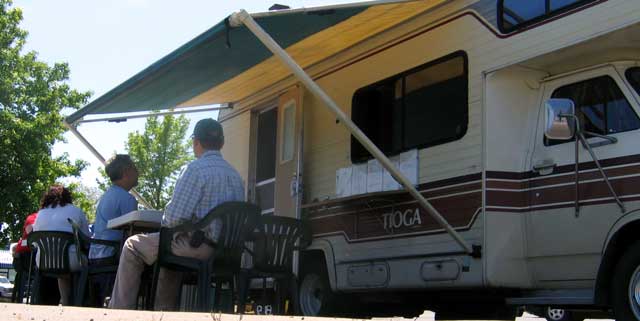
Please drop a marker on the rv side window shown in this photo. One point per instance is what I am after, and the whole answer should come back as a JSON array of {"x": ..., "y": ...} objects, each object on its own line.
[
  {"x": 517, "y": 14},
  {"x": 419, "y": 108},
  {"x": 600, "y": 105},
  {"x": 633, "y": 76}
]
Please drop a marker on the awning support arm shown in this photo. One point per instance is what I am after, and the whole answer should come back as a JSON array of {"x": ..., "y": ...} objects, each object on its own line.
[
  {"x": 146, "y": 115},
  {"x": 242, "y": 17},
  {"x": 95, "y": 153}
]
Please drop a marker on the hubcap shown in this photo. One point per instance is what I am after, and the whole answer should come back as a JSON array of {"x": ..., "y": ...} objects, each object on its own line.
[
  {"x": 634, "y": 293},
  {"x": 555, "y": 314},
  {"x": 311, "y": 295}
]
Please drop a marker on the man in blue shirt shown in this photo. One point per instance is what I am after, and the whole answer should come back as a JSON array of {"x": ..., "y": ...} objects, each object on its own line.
[
  {"x": 115, "y": 202},
  {"x": 202, "y": 185}
]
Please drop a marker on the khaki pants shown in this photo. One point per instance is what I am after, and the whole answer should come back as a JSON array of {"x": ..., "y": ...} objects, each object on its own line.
[{"x": 142, "y": 249}]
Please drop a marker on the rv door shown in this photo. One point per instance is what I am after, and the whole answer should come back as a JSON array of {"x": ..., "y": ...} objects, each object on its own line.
[{"x": 288, "y": 188}]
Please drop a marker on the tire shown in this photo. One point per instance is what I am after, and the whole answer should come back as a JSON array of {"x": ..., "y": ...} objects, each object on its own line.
[
  {"x": 315, "y": 296},
  {"x": 625, "y": 289}
]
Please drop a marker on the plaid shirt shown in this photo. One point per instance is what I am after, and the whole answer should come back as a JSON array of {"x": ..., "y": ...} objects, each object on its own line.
[{"x": 202, "y": 185}]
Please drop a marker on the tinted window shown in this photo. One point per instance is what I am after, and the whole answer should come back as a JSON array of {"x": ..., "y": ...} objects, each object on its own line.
[
  {"x": 600, "y": 105},
  {"x": 516, "y": 14},
  {"x": 419, "y": 108},
  {"x": 633, "y": 76}
]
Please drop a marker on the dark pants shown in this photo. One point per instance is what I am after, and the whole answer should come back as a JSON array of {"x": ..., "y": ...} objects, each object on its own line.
[
  {"x": 21, "y": 265},
  {"x": 101, "y": 285}
]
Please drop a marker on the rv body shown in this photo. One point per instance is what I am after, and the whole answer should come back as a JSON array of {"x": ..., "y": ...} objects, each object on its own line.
[{"x": 492, "y": 174}]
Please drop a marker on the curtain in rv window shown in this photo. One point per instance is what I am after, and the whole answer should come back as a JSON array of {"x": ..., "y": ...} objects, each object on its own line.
[
  {"x": 518, "y": 14},
  {"x": 418, "y": 108},
  {"x": 600, "y": 105}
]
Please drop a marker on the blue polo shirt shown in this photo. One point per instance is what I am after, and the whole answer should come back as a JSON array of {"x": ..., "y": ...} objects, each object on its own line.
[{"x": 115, "y": 202}]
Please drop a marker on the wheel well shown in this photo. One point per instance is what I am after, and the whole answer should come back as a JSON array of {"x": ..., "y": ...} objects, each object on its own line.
[
  {"x": 623, "y": 238},
  {"x": 312, "y": 259}
]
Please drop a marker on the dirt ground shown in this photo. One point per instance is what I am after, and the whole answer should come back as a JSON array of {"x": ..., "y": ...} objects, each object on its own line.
[{"x": 23, "y": 312}]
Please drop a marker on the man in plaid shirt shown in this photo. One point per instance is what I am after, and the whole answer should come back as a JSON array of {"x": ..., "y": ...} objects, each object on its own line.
[{"x": 202, "y": 185}]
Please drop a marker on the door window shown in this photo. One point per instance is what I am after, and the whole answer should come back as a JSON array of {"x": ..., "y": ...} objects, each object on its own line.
[
  {"x": 288, "y": 132},
  {"x": 633, "y": 76},
  {"x": 600, "y": 106}
]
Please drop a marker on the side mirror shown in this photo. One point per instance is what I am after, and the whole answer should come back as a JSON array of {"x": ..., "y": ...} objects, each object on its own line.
[{"x": 558, "y": 123}]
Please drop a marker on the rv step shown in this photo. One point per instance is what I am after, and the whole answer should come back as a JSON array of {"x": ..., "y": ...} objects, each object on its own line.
[{"x": 554, "y": 297}]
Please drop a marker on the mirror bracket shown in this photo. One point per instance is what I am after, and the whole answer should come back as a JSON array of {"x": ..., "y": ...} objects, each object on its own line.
[{"x": 607, "y": 140}]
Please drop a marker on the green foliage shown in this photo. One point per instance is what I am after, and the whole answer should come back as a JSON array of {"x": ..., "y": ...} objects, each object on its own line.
[
  {"x": 159, "y": 153},
  {"x": 103, "y": 181},
  {"x": 32, "y": 94},
  {"x": 86, "y": 198}
]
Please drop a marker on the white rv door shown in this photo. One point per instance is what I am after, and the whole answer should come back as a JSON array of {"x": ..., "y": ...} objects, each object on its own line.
[
  {"x": 564, "y": 246},
  {"x": 288, "y": 156}
]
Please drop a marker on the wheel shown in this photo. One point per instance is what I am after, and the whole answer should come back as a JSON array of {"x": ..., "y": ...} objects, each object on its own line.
[
  {"x": 554, "y": 314},
  {"x": 315, "y": 296},
  {"x": 625, "y": 290}
]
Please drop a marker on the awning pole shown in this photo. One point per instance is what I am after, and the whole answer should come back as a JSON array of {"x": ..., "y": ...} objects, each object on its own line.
[
  {"x": 95, "y": 153},
  {"x": 242, "y": 17},
  {"x": 146, "y": 115}
]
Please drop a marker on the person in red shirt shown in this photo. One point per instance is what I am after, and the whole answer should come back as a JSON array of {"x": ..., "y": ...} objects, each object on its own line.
[
  {"x": 21, "y": 258},
  {"x": 22, "y": 246}
]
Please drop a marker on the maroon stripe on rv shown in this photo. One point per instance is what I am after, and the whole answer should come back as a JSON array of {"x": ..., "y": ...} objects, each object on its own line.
[
  {"x": 370, "y": 223},
  {"x": 375, "y": 200},
  {"x": 555, "y": 180},
  {"x": 560, "y": 194},
  {"x": 571, "y": 205},
  {"x": 616, "y": 161}
]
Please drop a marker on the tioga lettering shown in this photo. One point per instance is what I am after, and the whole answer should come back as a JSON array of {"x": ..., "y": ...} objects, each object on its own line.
[{"x": 398, "y": 219}]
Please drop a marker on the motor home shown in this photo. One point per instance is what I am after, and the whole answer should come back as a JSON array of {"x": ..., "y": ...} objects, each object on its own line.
[{"x": 515, "y": 121}]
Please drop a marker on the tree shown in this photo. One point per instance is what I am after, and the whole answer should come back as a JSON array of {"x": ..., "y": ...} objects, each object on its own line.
[
  {"x": 32, "y": 95},
  {"x": 86, "y": 198},
  {"x": 159, "y": 153}
]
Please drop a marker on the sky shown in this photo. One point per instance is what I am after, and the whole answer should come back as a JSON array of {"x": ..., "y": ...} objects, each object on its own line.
[{"x": 107, "y": 42}]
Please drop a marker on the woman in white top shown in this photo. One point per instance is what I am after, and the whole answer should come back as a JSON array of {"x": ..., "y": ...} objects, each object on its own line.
[{"x": 55, "y": 209}]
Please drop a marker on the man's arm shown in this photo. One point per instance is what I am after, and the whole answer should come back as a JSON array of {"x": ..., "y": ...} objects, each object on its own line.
[{"x": 186, "y": 196}]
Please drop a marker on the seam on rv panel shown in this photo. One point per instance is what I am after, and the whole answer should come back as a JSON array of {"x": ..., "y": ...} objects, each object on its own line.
[
  {"x": 587, "y": 181},
  {"x": 626, "y": 160},
  {"x": 452, "y": 182},
  {"x": 401, "y": 194},
  {"x": 598, "y": 201},
  {"x": 558, "y": 175},
  {"x": 450, "y": 186}
]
